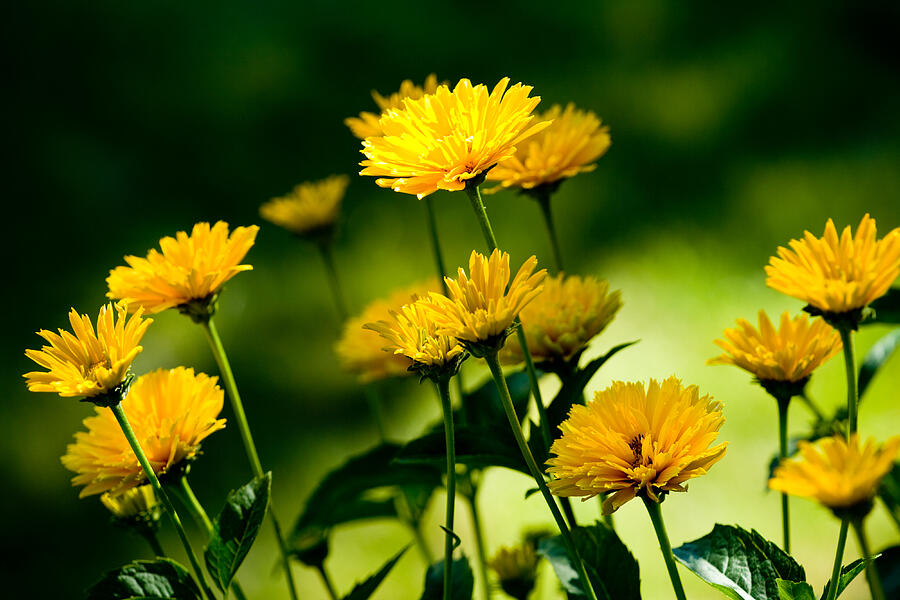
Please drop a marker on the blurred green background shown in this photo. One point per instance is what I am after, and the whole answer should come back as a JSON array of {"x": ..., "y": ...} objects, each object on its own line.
[{"x": 733, "y": 131}]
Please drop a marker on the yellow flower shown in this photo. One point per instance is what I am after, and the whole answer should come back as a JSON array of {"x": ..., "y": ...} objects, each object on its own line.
[
  {"x": 516, "y": 568},
  {"x": 310, "y": 208},
  {"x": 132, "y": 503},
  {"x": 837, "y": 274},
  {"x": 361, "y": 350},
  {"x": 631, "y": 441},
  {"x": 84, "y": 362},
  {"x": 563, "y": 319},
  {"x": 835, "y": 473},
  {"x": 441, "y": 141},
  {"x": 480, "y": 309},
  {"x": 564, "y": 149},
  {"x": 171, "y": 412},
  {"x": 367, "y": 125},
  {"x": 789, "y": 354},
  {"x": 189, "y": 268}
]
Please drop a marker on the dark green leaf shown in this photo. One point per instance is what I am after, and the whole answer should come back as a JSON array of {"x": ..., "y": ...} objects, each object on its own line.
[
  {"x": 160, "y": 578},
  {"x": 887, "y": 308},
  {"x": 848, "y": 574},
  {"x": 877, "y": 355},
  {"x": 483, "y": 407},
  {"x": 463, "y": 581},
  {"x": 888, "y": 565},
  {"x": 795, "y": 590},
  {"x": 477, "y": 447},
  {"x": 741, "y": 564},
  {"x": 362, "y": 591},
  {"x": 235, "y": 529},
  {"x": 890, "y": 492},
  {"x": 611, "y": 568}
]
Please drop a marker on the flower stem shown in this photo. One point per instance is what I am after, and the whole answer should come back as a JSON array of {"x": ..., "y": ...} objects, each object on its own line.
[
  {"x": 478, "y": 206},
  {"x": 333, "y": 280},
  {"x": 332, "y": 593},
  {"x": 435, "y": 242},
  {"x": 812, "y": 406},
  {"x": 543, "y": 199},
  {"x": 153, "y": 540},
  {"x": 373, "y": 399},
  {"x": 479, "y": 540},
  {"x": 838, "y": 560},
  {"x": 849, "y": 363},
  {"x": 655, "y": 511},
  {"x": 872, "y": 575},
  {"x": 163, "y": 497},
  {"x": 218, "y": 350},
  {"x": 494, "y": 365},
  {"x": 443, "y": 386},
  {"x": 783, "y": 404}
]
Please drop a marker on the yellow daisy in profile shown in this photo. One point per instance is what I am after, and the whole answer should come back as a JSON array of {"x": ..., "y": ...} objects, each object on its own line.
[
  {"x": 569, "y": 146},
  {"x": 445, "y": 139},
  {"x": 561, "y": 321},
  {"x": 188, "y": 269},
  {"x": 516, "y": 569},
  {"x": 367, "y": 125},
  {"x": 838, "y": 474},
  {"x": 132, "y": 503},
  {"x": 633, "y": 441},
  {"x": 789, "y": 354},
  {"x": 837, "y": 274},
  {"x": 171, "y": 412},
  {"x": 311, "y": 209},
  {"x": 479, "y": 308},
  {"x": 361, "y": 350},
  {"x": 88, "y": 363}
]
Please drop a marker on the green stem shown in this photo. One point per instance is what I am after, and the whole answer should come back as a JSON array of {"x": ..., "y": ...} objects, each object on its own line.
[
  {"x": 218, "y": 350},
  {"x": 373, "y": 399},
  {"x": 474, "y": 195},
  {"x": 783, "y": 404},
  {"x": 893, "y": 513},
  {"x": 607, "y": 519},
  {"x": 852, "y": 399},
  {"x": 153, "y": 540},
  {"x": 820, "y": 416},
  {"x": 838, "y": 560},
  {"x": 161, "y": 494},
  {"x": 443, "y": 387},
  {"x": 494, "y": 365},
  {"x": 543, "y": 199},
  {"x": 568, "y": 511},
  {"x": 479, "y": 539},
  {"x": 332, "y": 593},
  {"x": 435, "y": 243},
  {"x": 872, "y": 575},
  {"x": 333, "y": 280},
  {"x": 655, "y": 511}
]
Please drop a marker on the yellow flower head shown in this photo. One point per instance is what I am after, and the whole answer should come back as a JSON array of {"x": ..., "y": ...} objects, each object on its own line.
[
  {"x": 171, "y": 412},
  {"x": 310, "y": 208},
  {"x": 634, "y": 441},
  {"x": 789, "y": 354},
  {"x": 84, "y": 362},
  {"x": 131, "y": 503},
  {"x": 367, "y": 125},
  {"x": 835, "y": 473},
  {"x": 361, "y": 350},
  {"x": 189, "y": 268},
  {"x": 562, "y": 320},
  {"x": 480, "y": 308},
  {"x": 412, "y": 333},
  {"x": 837, "y": 274},
  {"x": 442, "y": 140},
  {"x": 564, "y": 149},
  {"x": 516, "y": 569}
]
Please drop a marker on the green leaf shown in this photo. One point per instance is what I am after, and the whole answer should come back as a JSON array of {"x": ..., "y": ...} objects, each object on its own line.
[
  {"x": 890, "y": 492},
  {"x": 848, "y": 574},
  {"x": 610, "y": 566},
  {"x": 877, "y": 355},
  {"x": 463, "y": 582},
  {"x": 235, "y": 529},
  {"x": 795, "y": 590},
  {"x": 483, "y": 406},
  {"x": 741, "y": 564},
  {"x": 362, "y": 591},
  {"x": 888, "y": 565},
  {"x": 476, "y": 446},
  {"x": 160, "y": 578},
  {"x": 887, "y": 308}
]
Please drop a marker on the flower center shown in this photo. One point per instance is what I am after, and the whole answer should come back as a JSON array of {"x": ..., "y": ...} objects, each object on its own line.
[{"x": 636, "y": 445}]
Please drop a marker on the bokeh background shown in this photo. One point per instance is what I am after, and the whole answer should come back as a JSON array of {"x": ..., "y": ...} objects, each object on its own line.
[{"x": 733, "y": 131}]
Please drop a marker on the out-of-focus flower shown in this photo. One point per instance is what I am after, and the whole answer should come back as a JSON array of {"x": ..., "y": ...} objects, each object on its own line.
[
  {"x": 310, "y": 209},
  {"x": 367, "y": 125},
  {"x": 516, "y": 569}
]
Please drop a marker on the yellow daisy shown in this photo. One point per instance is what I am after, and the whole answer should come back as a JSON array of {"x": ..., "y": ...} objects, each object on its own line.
[
  {"x": 835, "y": 274},
  {"x": 443, "y": 140},
  {"x": 835, "y": 473},
  {"x": 561, "y": 321},
  {"x": 564, "y": 149},
  {"x": 311, "y": 208},
  {"x": 188, "y": 269},
  {"x": 171, "y": 412},
  {"x": 480, "y": 308},
  {"x": 367, "y": 125},
  {"x": 131, "y": 503},
  {"x": 88, "y": 363},
  {"x": 633, "y": 441},
  {"x": 789, "y": 354}
]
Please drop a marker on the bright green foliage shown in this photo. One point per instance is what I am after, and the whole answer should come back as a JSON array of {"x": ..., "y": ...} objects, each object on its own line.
[
  {"x": 160, "y": 578},
  {"x": 795, "y": 590},
  {"x": 848, "y": 574}
]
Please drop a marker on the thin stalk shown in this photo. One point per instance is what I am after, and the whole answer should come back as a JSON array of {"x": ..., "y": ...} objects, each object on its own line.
[
  {"x": 332, "y": 593},
  {"x": 568, "y": 511},
  {"x": 479, "y": 540},
  {"x": 543, "y": 200},
  {"x": 443, "y": 387},
  {"x": 330, "y": 269},
  {"x": 849, "y": 363},
  {"x": 435, "y": 243},
  {"x": 497, "y": 372},
  {"x": 872, "y": 575},
  {"x": 373, "y": 399},
  {"x": 820, "y": 416},
  {"x": 655, "y": 511},
  {"x": 474, "y": 195},
  {"x": 161, "y": 494},
  {"x": 782, "y": 453},
  {"x": 153, "y": 540},
  {"x": 218, "y": 350},
  {"x": 893, "y": 513},
  {"x": 838, "y": 560},
  {"x": 608, "y": 519}
]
